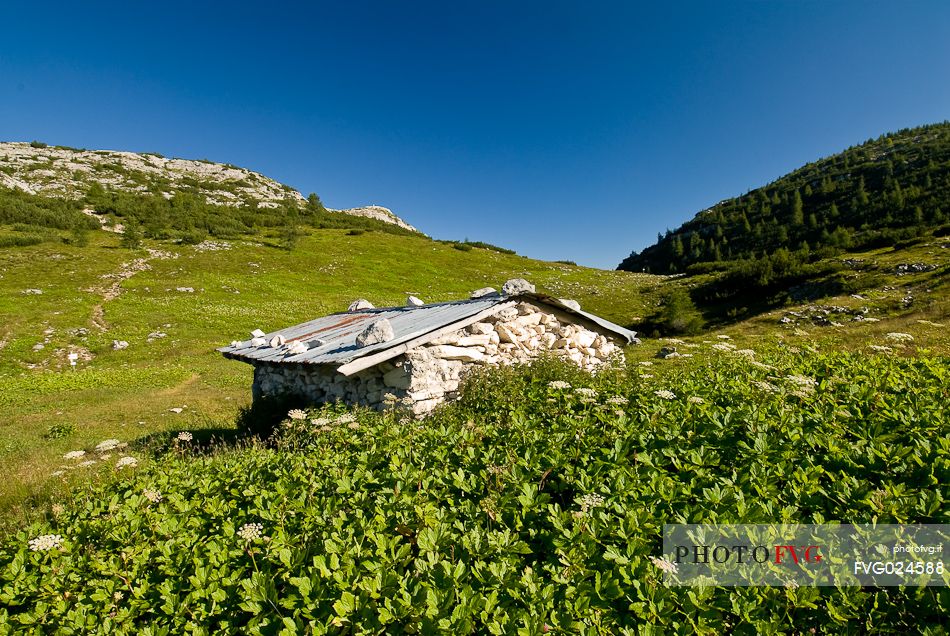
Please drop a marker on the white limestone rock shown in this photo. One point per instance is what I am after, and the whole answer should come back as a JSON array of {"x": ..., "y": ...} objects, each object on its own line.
[
  {"x": 474, "y": 341},
  {"x": 295, "y": 347},
  {"x": 481, "y": 327},
  {"x": 448, "y": 352},
  {"x": 481, "y": 293},
  {"x": 257, "y": 333},
  {"x": 517, "y": 286},
  {"x": 584, "y": 339},
  {"x": 277, "y": 341},
  {"x": 374, "y": 333},
  {"x": 359, "y": 304},
  {"x": 412, "y": 301},
  {"x": 508, "y": 313},
  {"x": 573, "y": 304}
]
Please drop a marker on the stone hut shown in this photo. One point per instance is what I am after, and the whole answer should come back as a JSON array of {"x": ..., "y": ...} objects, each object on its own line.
[{"x": 414, "y": 357}]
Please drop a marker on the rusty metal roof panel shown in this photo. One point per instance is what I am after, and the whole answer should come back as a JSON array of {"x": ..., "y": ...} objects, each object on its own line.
[{"x": 338, "y": 331}]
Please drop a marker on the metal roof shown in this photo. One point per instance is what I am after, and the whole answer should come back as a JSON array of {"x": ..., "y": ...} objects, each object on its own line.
[{"x": 338, "y": 331}]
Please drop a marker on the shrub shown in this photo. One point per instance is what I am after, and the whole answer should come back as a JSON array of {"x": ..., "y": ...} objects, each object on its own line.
[
  {"x": 678, "y": 315},
  {"x": 473, "y": 521},
  {"x": 60, "y": 430}
]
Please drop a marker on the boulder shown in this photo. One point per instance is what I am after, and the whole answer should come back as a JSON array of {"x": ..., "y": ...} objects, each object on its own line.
[
  {"x": 448, "y": 352},
  {"x": 508, "y": 313},
  {"x": 517, "y": 286},
  {"x": 412, "y": 301},
  {"x": 374, "y": 333},
  {"x": 481, "y": 327},
  {"x": 277, "y": 341},
  {"x": 584, "y": 339},
  {"x": 257, "y": 333},
  {"x": 296, "y": 347},
  {"x": 481, "y": 293},
  {"x": 474, "y": 341},
  {"x": 118, "y": 345},
  {"x": 529, "y": 320},
  {"x": 360, "y": 304}
]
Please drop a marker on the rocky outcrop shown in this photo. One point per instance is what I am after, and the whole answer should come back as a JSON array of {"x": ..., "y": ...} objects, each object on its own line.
[
  {"x": 69, "y": 172},
  {"x": 379, "y": 213},
  {"x": 426, "y": 376}
]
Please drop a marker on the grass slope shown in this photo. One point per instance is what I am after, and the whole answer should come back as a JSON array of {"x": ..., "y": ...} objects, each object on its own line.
[{"x": 47, "y": 408}]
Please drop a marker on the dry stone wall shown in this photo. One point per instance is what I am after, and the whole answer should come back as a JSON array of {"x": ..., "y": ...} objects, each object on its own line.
[{"x": 426, "y": 376}]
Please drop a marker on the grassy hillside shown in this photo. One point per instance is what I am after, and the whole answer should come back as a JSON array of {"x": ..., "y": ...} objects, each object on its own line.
[
  {"x": 174, "y": 303},
  {"x": 893, "y": 188}
]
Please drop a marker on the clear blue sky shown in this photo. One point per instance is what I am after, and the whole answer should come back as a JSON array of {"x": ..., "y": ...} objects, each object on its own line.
[{"x": 564, "y": 130}]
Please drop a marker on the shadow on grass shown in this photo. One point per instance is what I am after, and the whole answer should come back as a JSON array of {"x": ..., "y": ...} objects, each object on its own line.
[{"x": 254, "y": 426}]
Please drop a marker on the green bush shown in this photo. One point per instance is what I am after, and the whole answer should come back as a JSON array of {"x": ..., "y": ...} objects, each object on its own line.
[{"x": 479, "y": 519}]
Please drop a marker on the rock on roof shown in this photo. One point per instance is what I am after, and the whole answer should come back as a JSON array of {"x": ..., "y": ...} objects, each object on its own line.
[{"x": 332, "y": 339}]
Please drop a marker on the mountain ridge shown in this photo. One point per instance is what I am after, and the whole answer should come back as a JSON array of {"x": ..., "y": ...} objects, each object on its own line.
[
  {"x": 879, "y": 192},
  {"x": 61, "y": 171}
]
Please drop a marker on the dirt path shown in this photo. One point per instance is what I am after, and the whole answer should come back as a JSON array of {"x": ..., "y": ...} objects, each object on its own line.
[{"x": 112, "y": 288}]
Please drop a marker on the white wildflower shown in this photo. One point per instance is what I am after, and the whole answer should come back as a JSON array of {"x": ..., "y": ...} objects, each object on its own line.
[
  {"x": 184, "y": 436},
  {"x": 617, "y": 399},
  {"x": 46, "y": 542},
  {"x": 57, "y": 473},
  {"x": 586, "y": 392},
  {"x": 250, "y": 531},
  {"x": 587, "y": 502},
  {"x": 723, "y": 337},
  {"x": 559, "y": 384},
  {"x": 646, "y": 375},
  {"x": 666, "y": 395},
  {"x": 58, "y": 509},
  {"x": 346, "y": 418},
  {"x": 675, "y": 341},
  {"x": 695, "y": 399},
  {"x": 117, "y": 596},
  {"x": 297, "y": 414},
  {"x": 152, "y": 495},
  {"x": 748, "y": 353},
  {"x": 88, "y": 462},
  {"x": 76, "y": 454},
  {"x": 107, "y": 445},
  {"x": 126, "y": 461},
  {"x": 664, "y": 564},
  {"x": 768, "y": 387},
  {"x": 880, "y": 348},
  {"x": 723, "y": 346},
  {"x": 761, "y": 365},
  {"x": 646, "y": 363},
  {"x": 896, "y": 336},
  {"x": 320, "y": 421},
  {"x": 802, "y": 382}
]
